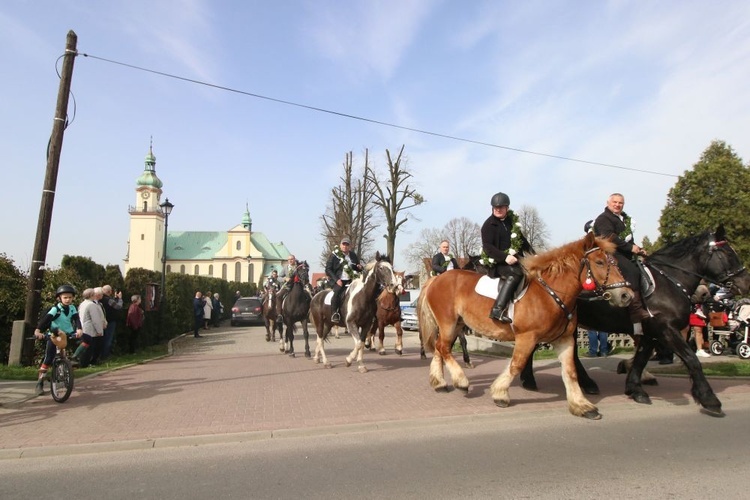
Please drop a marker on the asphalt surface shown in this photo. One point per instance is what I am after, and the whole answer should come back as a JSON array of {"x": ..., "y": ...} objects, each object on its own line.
[{"x": 233, "y": 386}]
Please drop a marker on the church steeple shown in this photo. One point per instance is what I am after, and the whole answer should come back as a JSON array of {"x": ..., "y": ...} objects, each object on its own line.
[
  {"x": 247, "y": 222},
  {"x": 148, "y": 177}
]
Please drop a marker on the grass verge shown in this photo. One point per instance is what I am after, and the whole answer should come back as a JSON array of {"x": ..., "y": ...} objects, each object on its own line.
[{"x": 30, "y": 372}]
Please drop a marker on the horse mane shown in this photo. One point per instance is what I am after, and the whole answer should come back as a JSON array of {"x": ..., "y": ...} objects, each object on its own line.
[
  {"x": 684, "y": 247},
  {"x": 566, "y": 258}
]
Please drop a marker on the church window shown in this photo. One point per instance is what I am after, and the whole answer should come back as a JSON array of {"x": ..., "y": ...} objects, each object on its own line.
[
  {"x": 210, "y": 269},
  {"x": 250, "y": 272},
  {"x": 224, "y": 271},
  {"x": 237, "y": 272},
  {"x": 239, "y": 245},
  {"x": 182, "y": 269},
  {"x": 143, "y": 237},
  {"x": 196, "y": 270},
  {"x": 169, "y": 268},
  {"x": 145, "y": 206}
]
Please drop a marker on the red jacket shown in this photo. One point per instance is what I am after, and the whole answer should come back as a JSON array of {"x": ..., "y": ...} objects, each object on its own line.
[{"x": 134, "y": 319}]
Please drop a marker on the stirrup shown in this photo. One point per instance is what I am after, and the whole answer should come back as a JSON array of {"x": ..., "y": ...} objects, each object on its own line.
[
  {"x": 335, "y": 317},
  {"x": 499, "y": 314}
]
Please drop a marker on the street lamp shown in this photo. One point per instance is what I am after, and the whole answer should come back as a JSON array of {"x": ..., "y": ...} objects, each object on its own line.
[{"x": 166, "y": 208}]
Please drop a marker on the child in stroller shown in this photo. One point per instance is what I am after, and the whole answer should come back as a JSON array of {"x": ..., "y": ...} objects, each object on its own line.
[{"x": 733, "y": 333}]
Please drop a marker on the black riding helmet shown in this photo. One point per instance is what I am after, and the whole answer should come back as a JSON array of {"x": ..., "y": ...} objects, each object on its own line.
[
  {"x": 588, "y": 226},
  {"x": 500, "y": 199},
  {"x": 65, "y": 289}
]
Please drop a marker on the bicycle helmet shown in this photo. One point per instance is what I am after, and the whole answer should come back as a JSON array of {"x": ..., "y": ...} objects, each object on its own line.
[
  {"x": 499, "y": 200},
  {"x": 65, "y": 289}
]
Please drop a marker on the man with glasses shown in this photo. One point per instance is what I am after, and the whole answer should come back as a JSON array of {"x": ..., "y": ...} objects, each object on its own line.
[{"x": 342, "y": 267}]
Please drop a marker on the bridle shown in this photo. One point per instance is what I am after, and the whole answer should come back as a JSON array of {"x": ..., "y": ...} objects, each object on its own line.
[
  {"x": 722, "y": 279},
  {"x": 601, "y": 291}
]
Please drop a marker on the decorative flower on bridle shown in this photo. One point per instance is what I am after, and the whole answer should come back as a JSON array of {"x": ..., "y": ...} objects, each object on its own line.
[{"x": 348, "y": 269}]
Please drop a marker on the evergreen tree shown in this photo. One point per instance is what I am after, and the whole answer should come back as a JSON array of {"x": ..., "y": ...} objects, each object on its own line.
[{"x": 716, "y": 190}]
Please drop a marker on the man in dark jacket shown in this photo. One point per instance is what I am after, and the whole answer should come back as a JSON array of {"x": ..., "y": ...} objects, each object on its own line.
[
  {"x": 443, "y": 260},
  {"x": 342, "y": 267},
  {"x": 503, "y": 244},
  {"x": 615, "y": 223}
]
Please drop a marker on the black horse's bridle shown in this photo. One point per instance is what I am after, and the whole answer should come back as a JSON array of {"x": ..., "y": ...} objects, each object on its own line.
[{"x": 722, "y": 279}]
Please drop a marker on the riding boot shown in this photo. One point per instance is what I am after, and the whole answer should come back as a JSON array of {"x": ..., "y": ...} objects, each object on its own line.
[
  {"x": 637, "y": 312},
  {"x": 335, "y": 316},
  {"x": 505, "y": 290},
  {"x": 279, "y": 303}
]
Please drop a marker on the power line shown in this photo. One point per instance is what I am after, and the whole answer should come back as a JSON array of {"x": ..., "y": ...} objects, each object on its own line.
[{"x": 370, "y": 120}]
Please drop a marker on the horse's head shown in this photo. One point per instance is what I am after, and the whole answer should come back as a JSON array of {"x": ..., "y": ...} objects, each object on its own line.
[
  {"x": 722, "y": 264},
  {"x": 302, "y": 273},
  {"x": 382, "y": 270},
  {"x": 600, "y": 274}
]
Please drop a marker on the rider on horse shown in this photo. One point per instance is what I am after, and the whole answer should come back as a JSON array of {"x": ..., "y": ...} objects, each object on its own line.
[
  {"x": 286, "y": 274},
  {"x": 342, "y": 267},
  {"x": 503, "y": 244},
  {"x": 272, "y": 283},
  {"x": 617, "y": 224}
]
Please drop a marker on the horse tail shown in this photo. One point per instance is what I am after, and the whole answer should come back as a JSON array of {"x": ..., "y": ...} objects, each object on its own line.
[{"x": 428, "y": 327}]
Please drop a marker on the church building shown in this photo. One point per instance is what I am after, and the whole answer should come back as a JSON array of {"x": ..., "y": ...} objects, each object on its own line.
[{"x": 239, "y": 254}]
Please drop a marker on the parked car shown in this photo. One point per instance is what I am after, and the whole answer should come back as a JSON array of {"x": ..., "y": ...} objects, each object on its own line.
[
  {"x": 408, "y": 302},
  {"x": 247, "y": 310}
]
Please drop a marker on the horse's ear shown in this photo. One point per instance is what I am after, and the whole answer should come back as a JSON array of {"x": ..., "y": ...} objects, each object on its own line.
[
  {"x": 721, "y": 234},
  {"x": 589, "y": 241},
  {"x": 377, "y": 255}
]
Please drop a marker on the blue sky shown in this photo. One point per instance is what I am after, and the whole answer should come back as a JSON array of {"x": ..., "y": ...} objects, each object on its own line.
[{"x": 637, "y": 84}]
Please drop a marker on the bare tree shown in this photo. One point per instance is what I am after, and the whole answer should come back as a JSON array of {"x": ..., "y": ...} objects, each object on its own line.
[
  {"x": 394, "y": 196},
  {"x": 463, "y": 235},
  {"x": 350, "y": 212},
  {"x": 533, "y": 227}
]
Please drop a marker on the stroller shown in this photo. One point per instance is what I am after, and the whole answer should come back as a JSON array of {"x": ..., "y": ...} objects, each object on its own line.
[{"x": 734, "y": 334}]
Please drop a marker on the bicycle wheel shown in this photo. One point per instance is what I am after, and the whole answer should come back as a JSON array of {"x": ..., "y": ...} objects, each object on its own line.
[{"x": 61, "y": 380}]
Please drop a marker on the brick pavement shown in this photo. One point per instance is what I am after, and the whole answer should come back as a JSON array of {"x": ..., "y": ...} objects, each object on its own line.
[{"x": 232, "y": 382}]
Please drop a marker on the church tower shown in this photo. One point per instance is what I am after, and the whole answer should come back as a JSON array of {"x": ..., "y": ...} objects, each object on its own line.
[{"x": 146, "y": 220}]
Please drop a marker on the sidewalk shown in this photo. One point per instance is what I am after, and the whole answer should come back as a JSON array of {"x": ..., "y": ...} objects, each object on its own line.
[{"x": 232, "y": 385}]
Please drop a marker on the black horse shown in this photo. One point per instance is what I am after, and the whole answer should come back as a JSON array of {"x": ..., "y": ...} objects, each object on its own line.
[
  {"x": 677, "y": 270},
  {"x": 296, "y": 307}
]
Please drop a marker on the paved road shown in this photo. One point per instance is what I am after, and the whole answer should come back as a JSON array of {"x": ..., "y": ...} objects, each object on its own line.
[{"x": 233, "y": 386}]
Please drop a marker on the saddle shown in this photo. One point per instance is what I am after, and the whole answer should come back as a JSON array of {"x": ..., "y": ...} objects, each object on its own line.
[{"x": 647, "y": 284}]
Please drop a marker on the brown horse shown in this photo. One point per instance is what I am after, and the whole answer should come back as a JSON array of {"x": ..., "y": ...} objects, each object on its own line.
[
  {"x": 545, "y": 313},
  {"x": 358, "y": 309},
  {"x": 269, "y": 317},
  {"x": 388, "y": 313}
]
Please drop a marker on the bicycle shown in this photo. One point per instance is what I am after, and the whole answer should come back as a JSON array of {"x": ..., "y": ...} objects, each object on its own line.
[{"x": 60, "y": 375}]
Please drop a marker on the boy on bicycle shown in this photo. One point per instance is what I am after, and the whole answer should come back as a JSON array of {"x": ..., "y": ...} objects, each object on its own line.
[{"x": 63, "y": 318}]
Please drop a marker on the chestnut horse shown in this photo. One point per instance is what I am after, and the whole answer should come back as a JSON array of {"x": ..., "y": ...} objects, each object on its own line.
[
  {"x": 358, "y": 309},
  {"x": 545, "y": 313},
  {"x": 388, "y": 313}
]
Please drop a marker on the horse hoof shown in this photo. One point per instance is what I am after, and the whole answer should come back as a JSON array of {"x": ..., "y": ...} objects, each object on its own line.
[
  {"x": 422, "y": 356},
  {"x": 502, "y": 403},
  {"x": 621, "y": 368},
  {"x": 641, "y": 398},
  {"x": 348, "y": 363},
  {"x": 291, "y": 355},
  {"x": 650, "y": 381},
  {"x": 441, "y": 387},
  {"x": 362, "y": 369},
  {"x": 308, "y": 355},
  {"x": 592, "y": 415},
  {"x": 530, "y": 386},
  {"x": 465, "y": 390},
  {"x": 382, "y": 353},
  {"x": 316, "y": 361},
  {"x": 328, "y": 365},
  {"x": 713, "y": 412},
  {"x": 267, "y": 339},
  {"x": 399, "y": 352},
  {"x": 469, "y": 365}
]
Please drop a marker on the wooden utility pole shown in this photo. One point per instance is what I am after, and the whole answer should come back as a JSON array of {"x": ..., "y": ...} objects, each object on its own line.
[{"x": 36, "y": 273}]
